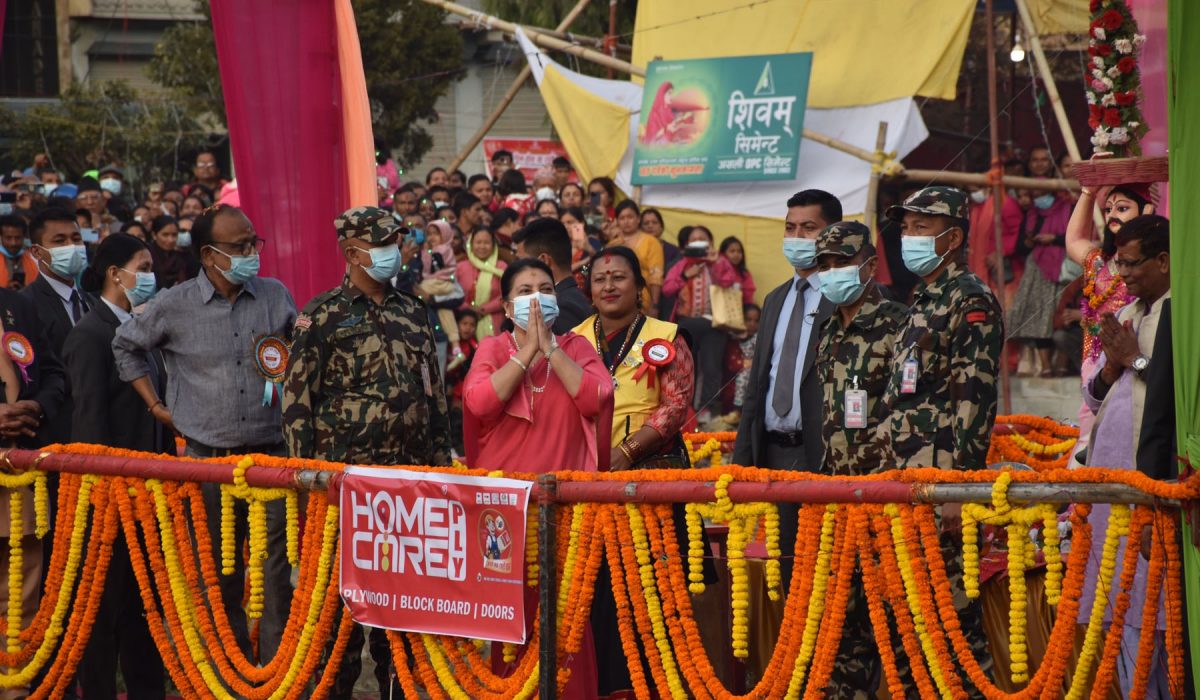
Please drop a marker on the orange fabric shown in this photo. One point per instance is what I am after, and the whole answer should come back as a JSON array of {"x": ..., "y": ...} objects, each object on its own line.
[
  {"x": 30, "y": 266},
  {"x": 356, "y": 111}
]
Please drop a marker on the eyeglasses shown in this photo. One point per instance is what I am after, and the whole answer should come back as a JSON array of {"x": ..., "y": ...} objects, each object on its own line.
[
  {"x": 1129, "y": 264},
  {"x": 250, "y": 247},
  {"x": 206, "y": 165}
]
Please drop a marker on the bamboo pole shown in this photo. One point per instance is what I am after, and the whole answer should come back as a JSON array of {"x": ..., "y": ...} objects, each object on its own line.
[
  {"x": 1039, "y": 57},
  {"x": 871, "y": 215},
  {"x": 997, "y": 193},
  {"x": 950, "y": 177},
  {"x": 511, "y": 94},
  {"x": 548, "y": 42}
]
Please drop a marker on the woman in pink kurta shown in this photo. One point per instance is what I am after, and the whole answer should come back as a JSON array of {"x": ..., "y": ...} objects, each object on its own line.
[
  {"x": 534, "y": 402},
  {"x": 479, "y": 276}
]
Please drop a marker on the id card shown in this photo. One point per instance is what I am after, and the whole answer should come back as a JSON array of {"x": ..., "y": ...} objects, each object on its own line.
[
  {"x": 855, "y": 408},
  {"x": 908, "y": 379},
  {"x": 425, "y": 379}
]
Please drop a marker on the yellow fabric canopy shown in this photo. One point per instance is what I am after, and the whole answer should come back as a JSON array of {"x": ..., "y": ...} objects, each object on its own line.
[
  {"x": 1059, "y": 16},
  {"x": 594, "y": 130},
  {"x": 864, "y": 51}
]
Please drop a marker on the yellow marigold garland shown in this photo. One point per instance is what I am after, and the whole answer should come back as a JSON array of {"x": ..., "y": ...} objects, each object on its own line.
[
  {"x": 695, "y": 529},
  {"x": 641, "y": 544},
  {"x": 816, "y": 603},
  {"x": 1118, "y": 527},
  {"x": 16, "y": 556}
]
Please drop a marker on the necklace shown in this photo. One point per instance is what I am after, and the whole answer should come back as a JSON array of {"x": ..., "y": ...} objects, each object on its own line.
[
  {"x": 1096, "y": 304},
  {"x": 533, "y": 389},
  {"x": 601, "y": 343}
]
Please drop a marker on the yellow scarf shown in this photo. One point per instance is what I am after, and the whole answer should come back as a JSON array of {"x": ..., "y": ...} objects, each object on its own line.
[{"x": 483, "y": 288}]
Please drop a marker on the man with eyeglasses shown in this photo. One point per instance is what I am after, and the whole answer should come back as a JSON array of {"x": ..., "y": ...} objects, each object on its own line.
[
  {"x": 1133, "y": 397},
  {"x": 207, "y": 172},
  {"x": 223, "y": 336}
]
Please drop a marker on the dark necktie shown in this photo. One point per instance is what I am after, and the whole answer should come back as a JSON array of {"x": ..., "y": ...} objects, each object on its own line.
[
  {"x": 785, "y": 379},
  {"x": 76, "y": 307}
]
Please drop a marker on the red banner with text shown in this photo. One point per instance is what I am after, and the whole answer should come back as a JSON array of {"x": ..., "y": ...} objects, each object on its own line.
[
  {"x": 529, "y": 155},
  {"x": 434, "y": 553}
]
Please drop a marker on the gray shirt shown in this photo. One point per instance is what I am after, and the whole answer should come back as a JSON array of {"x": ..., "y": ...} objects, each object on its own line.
[{"x": 215, "y": 393}]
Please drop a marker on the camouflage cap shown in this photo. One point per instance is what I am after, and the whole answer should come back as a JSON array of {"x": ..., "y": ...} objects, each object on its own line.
[
  {"x": 844, "y": 238},
  {"x": 371, "y": 224},
  {"x": 935, "y": 201}
]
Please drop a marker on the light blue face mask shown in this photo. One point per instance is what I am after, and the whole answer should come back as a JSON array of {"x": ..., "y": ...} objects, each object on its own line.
[
  {"x": 1044, "y": 201},
  {"x": 920, "y": 252},
  {"x": 801, "y": 253},
  {"x": 143, "y": 288},
  {"x": 385, "y": 263},
  {"x": 185, "y": 239},
  {"x": 89, "y": 235},
  {"x": 67, "y": 261},
  {"x": 842, "y": 285},
  {"x": 111, "y": 185},
  {"x": 242, "y": 268},
  {"x": 548, "y": 302}
]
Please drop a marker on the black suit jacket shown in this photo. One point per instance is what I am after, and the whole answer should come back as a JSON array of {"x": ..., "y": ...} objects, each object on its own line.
[
  {"x": 573, "y": 306},
  {"x": 107, "y": 411},
  {"x": 1156, "y": 451},
  {"x": 52, "y": 315},
  {"x": 750, "y": 448},
  {"x": 47, "y": 382}
]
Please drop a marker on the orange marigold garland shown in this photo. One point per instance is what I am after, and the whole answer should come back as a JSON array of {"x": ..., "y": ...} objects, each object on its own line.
[
  {"x": 1149, "y": 621},
  {"x": 1107, "y": 669},
  {"x": 1174, "y": 604}
]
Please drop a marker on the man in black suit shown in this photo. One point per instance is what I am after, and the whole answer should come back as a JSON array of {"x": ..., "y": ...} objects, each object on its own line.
[
  {"x": 58, "y": 248},
  {"x": 547, "y": 240},
  {"x": 782, "y": 414},
  {"x": 32, "y": 391}
]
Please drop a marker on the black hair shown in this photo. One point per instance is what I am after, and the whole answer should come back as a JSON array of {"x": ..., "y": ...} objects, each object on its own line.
[
  {"x": 684, "y": 233},
  {"x": 512, "y": 182},
  {"x": 581, "y": 188},
  {"x": 478, "y": 177},
  {"x": 202, "y": 227},
  {"x": 831, "y": 207},
  {"x": 161, "y": 222},
  {"x": 547, "y": 236},
  {"x": 1016, "y": 163},
  {"x": 117, "y": 249},
  {"x": 573, "y": 211},
  {"x": 501, "y": 154},
  {"x": 515, "y": 268},
  {"x": 38, "y": 225},
  {"x": 14, "y": 221},
  {"x": 657, "y": 213},
  {"x": 711, "y": 240},
  {"x": 557, "y": 209},
  {"x": 629, "y": 204},
  {"x": 1152, "y": 230},
  {"x": 726, "y": 244},
  {"x": 434, "y": 189},
  {"x": 476, "y": 232},
  {"x": 462, "y": 201},
  {"x": 461, "y": 313},
  {"x": 625, "y": 254},
  {"x": 405, "y": 188},
  {"x": 560, "y": 162},
  {"x": 129, "y": 227},
  {"x": 429, "y": 175},
  {"x": 503, "y": 216},
  {"x": 609, "y": 186},
  {"x": 460, "y": 174},
  {"x": 747, "y": 308},
  {"x": 194, "y": 195}
]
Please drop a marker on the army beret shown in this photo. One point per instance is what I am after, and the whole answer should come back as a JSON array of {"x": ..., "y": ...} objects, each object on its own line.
[{"x": 371, "y": 224}]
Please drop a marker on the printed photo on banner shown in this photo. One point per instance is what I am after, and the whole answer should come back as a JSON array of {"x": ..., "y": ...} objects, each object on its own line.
[
  {"x": 434, "y": 553},
  {"x": 529, "y": 155},
  {"x": 722, "y": 119}
]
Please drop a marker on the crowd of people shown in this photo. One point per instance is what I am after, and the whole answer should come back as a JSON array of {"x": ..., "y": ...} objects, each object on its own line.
[{"x": 544, "y": 326}]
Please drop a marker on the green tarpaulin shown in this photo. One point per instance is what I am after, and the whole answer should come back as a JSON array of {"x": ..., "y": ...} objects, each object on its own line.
[{"x": 1184, "y": 115}]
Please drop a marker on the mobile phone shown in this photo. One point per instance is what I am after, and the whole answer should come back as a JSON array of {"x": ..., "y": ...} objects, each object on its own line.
[
  {"x": 576, "y": 231},
  {"x": 595, "y": 200},
  {"x": 382, "y": 181}
]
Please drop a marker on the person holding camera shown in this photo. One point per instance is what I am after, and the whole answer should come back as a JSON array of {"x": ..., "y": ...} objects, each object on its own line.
[{"x": 691, "y": 281}]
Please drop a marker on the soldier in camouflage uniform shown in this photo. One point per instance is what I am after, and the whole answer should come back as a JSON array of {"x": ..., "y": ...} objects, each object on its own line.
[
  {"x": 941, "y": 401},
  {"x": 362, "y": 383},
  {"x": 856, "y": 347}
]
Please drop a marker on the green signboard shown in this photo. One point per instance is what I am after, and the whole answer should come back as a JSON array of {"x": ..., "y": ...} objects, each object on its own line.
[{"x": 722, "y": 119}]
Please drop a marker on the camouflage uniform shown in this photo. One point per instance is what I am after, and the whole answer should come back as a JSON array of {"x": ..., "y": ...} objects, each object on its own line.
[
  {"x": 955, "y": 334},
  {"x": 363, "y": 387},
  {"x": 858, "y": 355}
]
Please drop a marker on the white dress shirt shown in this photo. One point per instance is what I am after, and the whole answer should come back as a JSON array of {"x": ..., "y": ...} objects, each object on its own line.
[
  {"x": 812, "y": 297},
  {"x": 121, "y": 314},
  {"x": 64, "y": 293}
]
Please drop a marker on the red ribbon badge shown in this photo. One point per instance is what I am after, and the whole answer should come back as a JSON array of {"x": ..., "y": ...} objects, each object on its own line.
[
  {"x": 20, "y": 350},
  {"x": 655, "y": 353}
]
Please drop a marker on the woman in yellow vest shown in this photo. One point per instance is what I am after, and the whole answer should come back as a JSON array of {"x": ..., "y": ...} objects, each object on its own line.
[{"x": 649, "y": 361}]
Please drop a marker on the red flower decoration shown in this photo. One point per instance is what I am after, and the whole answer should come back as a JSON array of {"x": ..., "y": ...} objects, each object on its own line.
[
  {"x": 1094, "y": 123},
  {"x": 1127, "y": 64},
  {"x": 1125, "y": 98},
  {"x": 1094, "y": 111},
  {"x": 1095, "y": 6},
  {"x": 1111, "y": 20},
  {"x": 1112, "y": 117},
  {"x": 1098, "y": 49}
]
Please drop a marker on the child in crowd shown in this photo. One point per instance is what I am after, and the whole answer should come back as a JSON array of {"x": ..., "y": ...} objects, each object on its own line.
[
  {"x": 751, "y": 312},
  {"x": 437, "y": 283},
  {"x": 735, "y": 253},
  {"x": 455, "y": 374}
]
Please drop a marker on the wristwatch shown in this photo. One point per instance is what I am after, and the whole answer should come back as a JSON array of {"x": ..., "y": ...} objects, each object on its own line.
[{"x": 1139, "y": 364}]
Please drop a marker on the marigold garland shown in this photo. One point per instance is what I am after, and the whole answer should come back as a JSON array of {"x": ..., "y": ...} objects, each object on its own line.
[{"x": 1118, "y": 527}]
